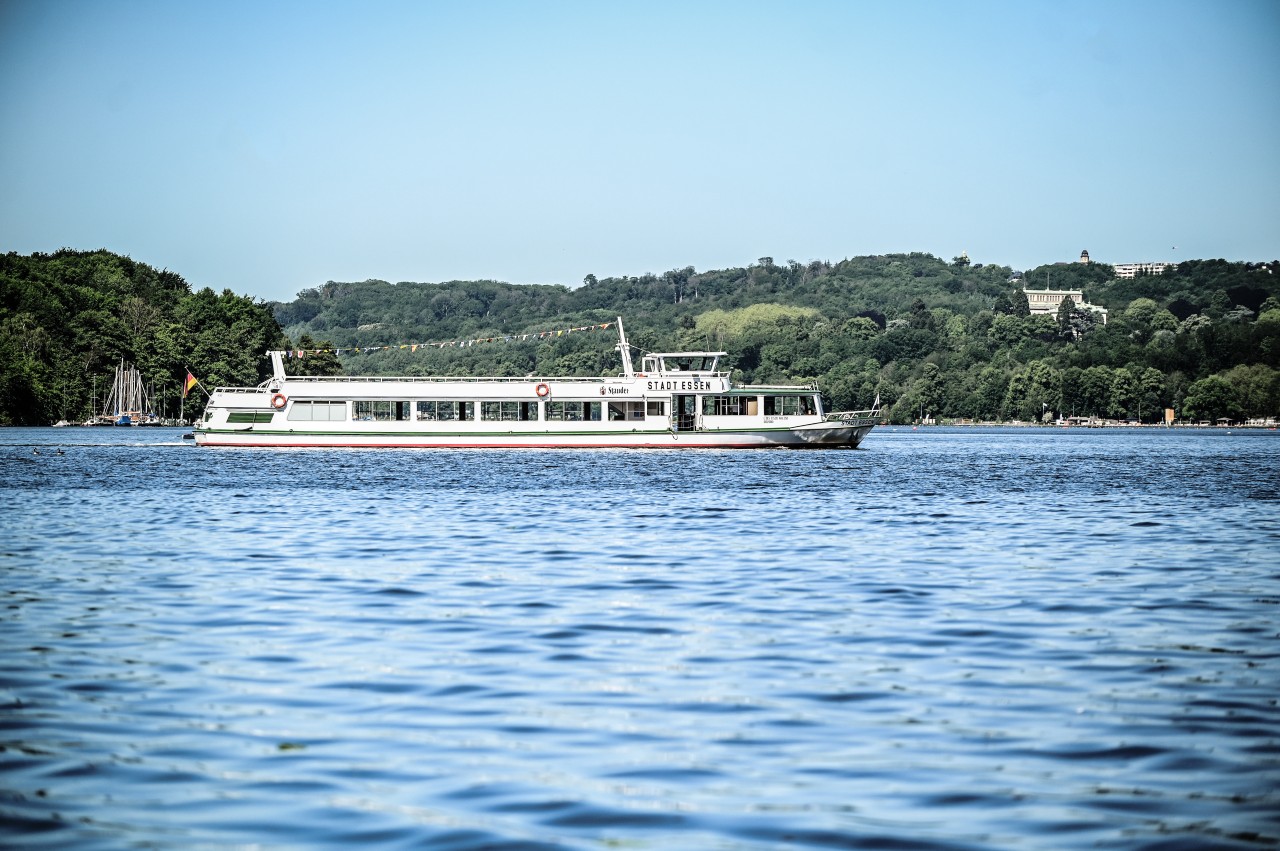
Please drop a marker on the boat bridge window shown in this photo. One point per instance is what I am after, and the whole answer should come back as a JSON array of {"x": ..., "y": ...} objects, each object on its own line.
[
  {"x": 680, "y": 362},
  {"x": 430, "y": 409},
  {"x": 730, "y": 406},
  {"x": 626, "y": 410},
  {"x": 788, "y": 405},
  {"x": 574, "y": 411},
  {"x": 508, "y": 411},
  {"x": 691, "y": 363},
  {"x": 311, "y": 411}
]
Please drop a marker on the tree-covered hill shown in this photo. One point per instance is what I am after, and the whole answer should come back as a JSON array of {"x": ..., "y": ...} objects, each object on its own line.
[
  {"x": 946, "y": 340},
  {"x": 930, "y": 337},
  {"x": 67, "y": 319}
]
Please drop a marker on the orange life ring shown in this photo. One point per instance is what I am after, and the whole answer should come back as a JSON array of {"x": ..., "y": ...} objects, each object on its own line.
[
  {"x": 278, "y": 401},
  {"x": 542, "y": 390}
]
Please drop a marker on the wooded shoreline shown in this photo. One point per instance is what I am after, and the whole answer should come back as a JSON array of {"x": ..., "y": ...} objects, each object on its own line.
[{"x": 934, "y": 339}]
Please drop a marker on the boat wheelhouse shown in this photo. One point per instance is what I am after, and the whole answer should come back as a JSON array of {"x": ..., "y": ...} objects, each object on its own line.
[{"x": 675, "y": 400}]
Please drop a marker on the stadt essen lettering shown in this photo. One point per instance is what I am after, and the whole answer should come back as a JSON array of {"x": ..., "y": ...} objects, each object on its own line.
[
  {"x": 686, "y": 385},
  {"x": 695, "y": 384}
]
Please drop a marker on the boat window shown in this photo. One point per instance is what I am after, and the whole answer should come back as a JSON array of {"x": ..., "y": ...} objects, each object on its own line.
[
  {"x": 311, "y": 411},
  {"x": 626, "y": 410},
  {"x": 377, "y": 410},
  {"x": 250, "y": 416},
  {"x": 729, "y": 406},
  {"x": 432, "y": 409},
  {"x": 656, "y": 409},
  {"x": 788, "y": 405},
  {"x": 689, "y": 363},
  {"x": 574, "y": 411},
  {"x": 508, "y": 411}
]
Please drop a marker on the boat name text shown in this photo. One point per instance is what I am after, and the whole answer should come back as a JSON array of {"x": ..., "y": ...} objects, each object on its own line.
[{"x": 695, "y": 384}]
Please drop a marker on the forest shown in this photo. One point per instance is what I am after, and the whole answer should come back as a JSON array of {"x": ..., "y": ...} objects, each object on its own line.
[
  {"x": 944, "y": 340},
  {"x": 68, "y": 318}
]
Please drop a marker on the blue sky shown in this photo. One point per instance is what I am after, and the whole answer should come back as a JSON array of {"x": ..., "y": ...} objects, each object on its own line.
[{"x": 267, "y": 147}]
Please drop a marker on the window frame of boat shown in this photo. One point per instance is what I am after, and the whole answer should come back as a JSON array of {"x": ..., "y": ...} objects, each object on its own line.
[
  {"x": 508, "y": 411},
  {"x": 776, "y": 405},
  {"x": 655, "y": 408},
  {"x": 382, "y": 410},
  {"x": 573, "y": 411},
  {"x": 627, "y": 410},
  {"x": 306, "y": 410},
  {"x": 434, "y": 410},
  {"x": 371, "y": 410},
  {"x": 250, "y": 417},
  {"x": 729, "y": 405}
]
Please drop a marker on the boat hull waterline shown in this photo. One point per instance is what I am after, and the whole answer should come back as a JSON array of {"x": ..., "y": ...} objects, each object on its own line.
[{"x": 843, "y": 437}]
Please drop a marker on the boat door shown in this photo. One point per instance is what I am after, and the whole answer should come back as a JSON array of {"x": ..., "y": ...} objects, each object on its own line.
[{"x": 684, "y": 412}]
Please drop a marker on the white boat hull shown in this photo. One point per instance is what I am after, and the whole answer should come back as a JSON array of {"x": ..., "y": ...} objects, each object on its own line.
[{"x": 814, "y": 436}]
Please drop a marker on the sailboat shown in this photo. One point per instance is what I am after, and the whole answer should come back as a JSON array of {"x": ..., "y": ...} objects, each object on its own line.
[{"x": 128, "y": 403}]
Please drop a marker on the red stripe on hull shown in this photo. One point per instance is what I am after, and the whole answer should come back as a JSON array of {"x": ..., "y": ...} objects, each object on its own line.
[{"x": 275, "y": 445}]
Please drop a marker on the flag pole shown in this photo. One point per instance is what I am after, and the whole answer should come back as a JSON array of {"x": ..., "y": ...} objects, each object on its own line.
[{"x": 189, "y": 382}]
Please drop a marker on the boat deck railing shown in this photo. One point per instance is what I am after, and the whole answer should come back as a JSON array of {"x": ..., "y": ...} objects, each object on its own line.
[
  {"x": 849, "y": 416},
  {"x": 488, "y": 379},
  {"x": 770, "y": 388},
  {"x": 459, "y": 379}
]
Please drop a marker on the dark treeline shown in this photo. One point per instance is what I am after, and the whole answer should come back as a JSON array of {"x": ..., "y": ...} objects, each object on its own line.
[
  {"x": 67, "y": 319},
  {"x": 942, "y": 339},
  {"x": 946, "y": 340}
]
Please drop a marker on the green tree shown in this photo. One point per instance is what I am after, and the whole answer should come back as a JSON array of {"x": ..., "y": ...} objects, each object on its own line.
[
  {"x": 1123, "y": 395},
  {"x": 1211, "y": 399},
  {"x": 1066, "y": 307}
]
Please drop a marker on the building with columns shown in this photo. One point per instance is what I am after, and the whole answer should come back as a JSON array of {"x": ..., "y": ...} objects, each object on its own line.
[{"x": 1046, "y": 302}]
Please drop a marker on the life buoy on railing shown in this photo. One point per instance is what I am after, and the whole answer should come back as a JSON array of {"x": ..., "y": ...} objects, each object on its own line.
[
  {"x": 278, "y": 401},
  {"x": 542, "y": 390}
]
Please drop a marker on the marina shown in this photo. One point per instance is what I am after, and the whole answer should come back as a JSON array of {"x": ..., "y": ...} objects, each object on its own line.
[{"x": 128, "y": 403}]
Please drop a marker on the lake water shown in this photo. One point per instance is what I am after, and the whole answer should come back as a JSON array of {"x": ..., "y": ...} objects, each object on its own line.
[{"x": 949, "y": 639}]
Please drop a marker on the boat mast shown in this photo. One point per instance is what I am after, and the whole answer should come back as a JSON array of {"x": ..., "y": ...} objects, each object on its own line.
[{"x": 625, "y": 350}]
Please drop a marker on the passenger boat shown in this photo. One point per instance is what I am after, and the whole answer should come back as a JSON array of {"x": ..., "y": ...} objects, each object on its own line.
[{"x": 675, "y": 400}]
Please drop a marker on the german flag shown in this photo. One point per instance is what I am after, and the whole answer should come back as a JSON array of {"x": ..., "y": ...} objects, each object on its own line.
[{"x": 190, "y": 382}]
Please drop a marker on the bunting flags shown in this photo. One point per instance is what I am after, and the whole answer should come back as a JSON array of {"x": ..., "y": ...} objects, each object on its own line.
[{"x": 454, "y": 344}]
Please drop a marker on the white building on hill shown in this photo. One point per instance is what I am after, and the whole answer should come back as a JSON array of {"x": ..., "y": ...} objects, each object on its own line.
[
  {"x": 1046, "y": 302},
  {"x": 1132, "y": 270}
]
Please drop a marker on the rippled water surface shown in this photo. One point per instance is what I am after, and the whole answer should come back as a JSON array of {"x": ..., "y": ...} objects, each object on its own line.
[{"x": 947, "y": 639}]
